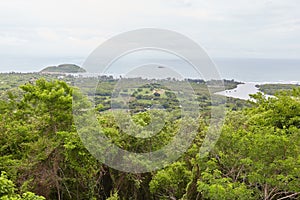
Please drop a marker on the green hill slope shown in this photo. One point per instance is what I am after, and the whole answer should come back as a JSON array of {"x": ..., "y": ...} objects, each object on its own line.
[{"x": 65, "y": 68}]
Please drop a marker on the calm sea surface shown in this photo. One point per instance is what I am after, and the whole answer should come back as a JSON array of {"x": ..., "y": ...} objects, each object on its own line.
[{"x": 246, "y": 70}]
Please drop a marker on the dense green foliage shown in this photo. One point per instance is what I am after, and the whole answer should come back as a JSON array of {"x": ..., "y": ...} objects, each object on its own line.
[
  {"x": 271, "y": 89},
  {"x": 256, "y": 157},
  {"x": 8, "y": 191}
]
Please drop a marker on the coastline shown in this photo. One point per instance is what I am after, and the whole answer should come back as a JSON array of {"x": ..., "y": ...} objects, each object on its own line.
[{"x": 243, "y": 90}]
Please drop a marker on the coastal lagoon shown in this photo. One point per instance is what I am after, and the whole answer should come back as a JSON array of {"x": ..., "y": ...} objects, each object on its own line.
[{"x": 242, "y": 91}]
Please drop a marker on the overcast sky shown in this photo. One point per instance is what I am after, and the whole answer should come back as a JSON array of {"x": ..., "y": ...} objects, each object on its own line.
[{"x": 225, "y": 28}]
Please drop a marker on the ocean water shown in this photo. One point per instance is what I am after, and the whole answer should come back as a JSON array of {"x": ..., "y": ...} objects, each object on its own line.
[
  {"x": 259, "y": 70},
  {"x": 241, "y": 69},
  {"x": 34, "y": 64}
]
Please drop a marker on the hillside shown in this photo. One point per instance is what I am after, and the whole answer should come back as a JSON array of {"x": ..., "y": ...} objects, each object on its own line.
[{"x": 65, "y": 68}]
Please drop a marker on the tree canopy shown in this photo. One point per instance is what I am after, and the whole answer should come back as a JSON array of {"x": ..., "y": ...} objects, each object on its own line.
[{"x": 43, "y": 157}]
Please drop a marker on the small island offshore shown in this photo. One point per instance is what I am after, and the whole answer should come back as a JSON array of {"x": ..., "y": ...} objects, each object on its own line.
[{"x": 64, "y": 68}]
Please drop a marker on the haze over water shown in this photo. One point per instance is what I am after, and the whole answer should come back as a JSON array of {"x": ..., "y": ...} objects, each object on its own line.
[{"x": 241, "y": 69}]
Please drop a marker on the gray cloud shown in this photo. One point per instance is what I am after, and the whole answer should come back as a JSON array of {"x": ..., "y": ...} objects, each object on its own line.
[{"x": 245, "y": 28}]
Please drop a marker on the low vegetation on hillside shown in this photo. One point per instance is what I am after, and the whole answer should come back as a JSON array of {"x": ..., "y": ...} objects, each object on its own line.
[{"x": 42, "y": 156}]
